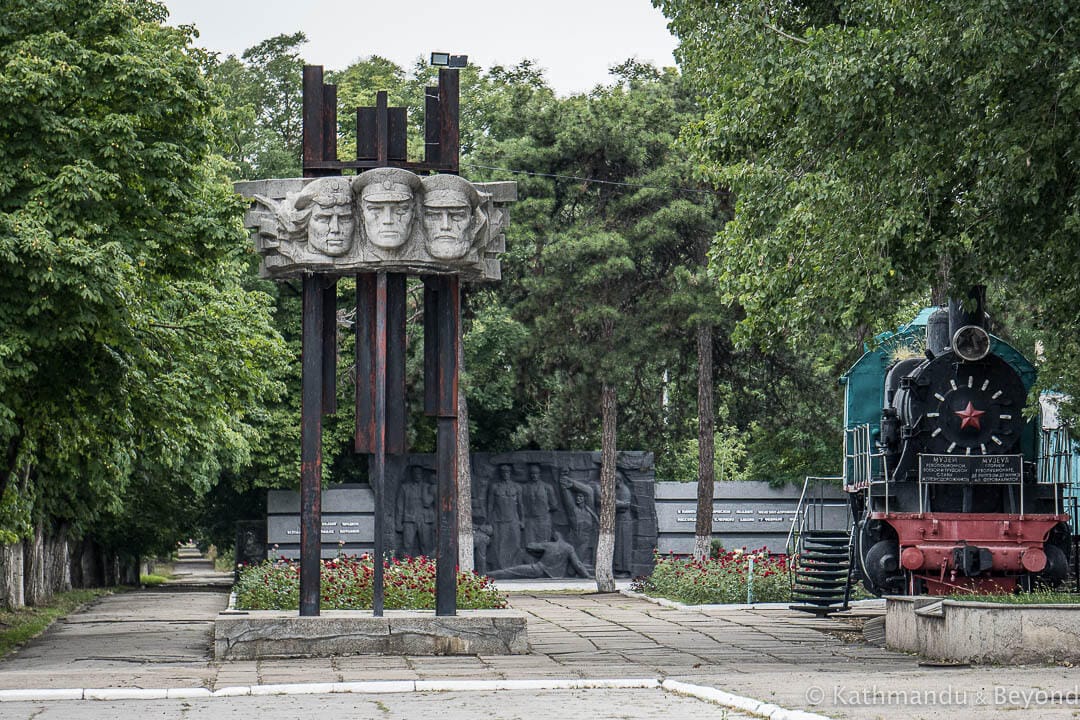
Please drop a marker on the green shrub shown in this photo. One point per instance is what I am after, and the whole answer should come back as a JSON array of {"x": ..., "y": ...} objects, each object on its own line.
[
  {"x": 346, "y": 584},
  {"x": 722, "y": 579}
]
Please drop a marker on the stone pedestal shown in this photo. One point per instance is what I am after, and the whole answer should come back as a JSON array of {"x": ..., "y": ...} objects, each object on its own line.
[{"x": 282, "y": 634}]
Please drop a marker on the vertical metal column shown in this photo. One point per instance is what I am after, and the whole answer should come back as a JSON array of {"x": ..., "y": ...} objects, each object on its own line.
[
  {"x": 378, "y": 458},
  {"x": 396, "y": 407},
  {"x": 311, "y": 446},
  {"x": 449, "y": 336},
  {"x": 329, "y": 351}
]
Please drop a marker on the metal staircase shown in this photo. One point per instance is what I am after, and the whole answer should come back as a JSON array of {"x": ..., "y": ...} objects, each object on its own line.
[
  {"x": 821, "y": 578},
  {"x": 823, "y": 575}
]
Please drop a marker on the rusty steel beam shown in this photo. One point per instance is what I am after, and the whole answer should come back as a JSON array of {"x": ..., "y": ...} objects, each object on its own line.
[
  {"x": 329, "y": 351},
  {"x": 396, "y": 409},
  {"x": 431, "y": 345},
  {"x": 329, "y": 122},
  {"x": 449, "y": 136},
  {"x": 449, "y": 325},
  {"x": 313, "y": 111},
  {"x": 378, "y": 460},
  {"x": 364, "y": 438},
  {"x": 382, "y": 129},
  {"x": 311, "y": 445},
  {"x": 431, "y": 125}
]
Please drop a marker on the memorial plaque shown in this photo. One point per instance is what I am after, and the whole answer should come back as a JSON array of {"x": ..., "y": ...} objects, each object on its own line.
[
  {"x": 745, "y": 514},
  {"x": 959, "y": 469}
]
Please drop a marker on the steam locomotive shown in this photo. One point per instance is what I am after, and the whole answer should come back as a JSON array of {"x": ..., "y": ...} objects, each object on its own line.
[{"x": 941, "y": 466}]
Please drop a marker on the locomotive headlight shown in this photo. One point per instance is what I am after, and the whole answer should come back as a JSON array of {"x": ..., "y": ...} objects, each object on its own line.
[{"x": 971, "y": 343}]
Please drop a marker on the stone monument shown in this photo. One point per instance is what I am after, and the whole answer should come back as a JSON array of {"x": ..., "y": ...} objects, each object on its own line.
[{"x": 391, "y": 218}]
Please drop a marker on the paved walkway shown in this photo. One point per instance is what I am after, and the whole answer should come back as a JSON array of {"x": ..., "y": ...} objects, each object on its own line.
[{"x": 162, "y": 639}]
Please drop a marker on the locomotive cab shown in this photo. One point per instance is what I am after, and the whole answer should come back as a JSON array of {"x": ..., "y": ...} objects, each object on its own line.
[{"x": 941, "y": 474}]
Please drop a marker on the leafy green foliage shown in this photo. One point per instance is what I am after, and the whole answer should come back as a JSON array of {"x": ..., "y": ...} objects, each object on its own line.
[
  {"x": 133, "y": 359},
  {"x": 881, "y": 151}
]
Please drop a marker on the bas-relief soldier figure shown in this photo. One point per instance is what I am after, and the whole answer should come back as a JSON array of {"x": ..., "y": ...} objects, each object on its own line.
[
  {"x": 481, "y": 542},
  {"x": 578, "y": 497},
  {"x": 555, "y": 559},
  {"x": 414, "y": 514},
  {"x": 539, "y": 501},
  {"x": 504, "y": 514},
  {"x": 315, "y": 226}
]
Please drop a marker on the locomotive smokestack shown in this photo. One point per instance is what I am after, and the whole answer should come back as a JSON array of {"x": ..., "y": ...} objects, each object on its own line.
[
  {"x": 976, "y": 315},
  {"x": 967, "y": 328}
]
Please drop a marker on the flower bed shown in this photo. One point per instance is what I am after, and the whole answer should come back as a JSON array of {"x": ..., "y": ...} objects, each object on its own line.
[
  {"x": 721, "y": 579},
  {"x": 346, "y": 584}
]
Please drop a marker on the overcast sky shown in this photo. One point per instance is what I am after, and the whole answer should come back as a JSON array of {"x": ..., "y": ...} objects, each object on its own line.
[{"x": 575, "y": 41}]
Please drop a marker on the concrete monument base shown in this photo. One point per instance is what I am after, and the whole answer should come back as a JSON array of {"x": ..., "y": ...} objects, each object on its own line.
[
  {"x": 982, "y": 632},
  {"x": 284, "y": 634}
]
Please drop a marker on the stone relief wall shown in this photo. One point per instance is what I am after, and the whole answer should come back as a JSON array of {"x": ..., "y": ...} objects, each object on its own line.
[
  {"x": 386, "y": 219},
  {"x": 535, "y": 514}
]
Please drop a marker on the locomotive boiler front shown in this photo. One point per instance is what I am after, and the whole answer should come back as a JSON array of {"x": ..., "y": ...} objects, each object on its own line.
[{"x": 958, "y": 509}]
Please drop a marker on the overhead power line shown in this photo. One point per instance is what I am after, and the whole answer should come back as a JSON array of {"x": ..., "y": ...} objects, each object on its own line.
[{"x": 575, "y": 178}]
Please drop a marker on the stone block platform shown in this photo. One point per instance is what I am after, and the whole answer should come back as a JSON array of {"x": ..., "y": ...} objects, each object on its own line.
[
  {"x": 983, "y": 632},
  {"x": 262, "y": 634}
]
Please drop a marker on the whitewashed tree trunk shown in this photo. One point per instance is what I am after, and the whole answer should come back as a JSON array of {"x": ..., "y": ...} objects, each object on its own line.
[
  {"x": 466, "y": 562},
  {"x": 36, "y": 589},
  {"x": 605, "y": 547},
  {"x": 12, "y": 596}
]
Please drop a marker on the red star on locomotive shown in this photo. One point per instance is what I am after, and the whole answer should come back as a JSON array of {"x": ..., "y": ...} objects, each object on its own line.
[{"x": 969, "y": 417}]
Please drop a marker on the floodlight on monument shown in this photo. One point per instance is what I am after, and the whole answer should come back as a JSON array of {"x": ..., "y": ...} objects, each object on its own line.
[{"x": 446, "y": 60}]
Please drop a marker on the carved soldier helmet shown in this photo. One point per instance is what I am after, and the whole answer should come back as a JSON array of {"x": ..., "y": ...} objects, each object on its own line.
[
  {"x": 387, "y": 185},
  {"x": 324, "y": 192},
  {"x": 447, "y": 191}
]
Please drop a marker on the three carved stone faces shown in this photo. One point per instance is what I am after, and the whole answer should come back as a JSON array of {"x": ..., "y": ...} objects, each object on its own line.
[{"x": 387, "y": 202}]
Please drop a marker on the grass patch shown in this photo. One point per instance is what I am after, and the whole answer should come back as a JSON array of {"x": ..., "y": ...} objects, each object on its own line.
[
  {"x": 19, "y": 626},
  {"x": 154, "y": 580},
  {"x": 1037, "y": 597}
]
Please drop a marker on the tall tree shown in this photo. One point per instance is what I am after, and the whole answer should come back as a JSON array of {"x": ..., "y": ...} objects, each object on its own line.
[{"x": 132, "y": 355}]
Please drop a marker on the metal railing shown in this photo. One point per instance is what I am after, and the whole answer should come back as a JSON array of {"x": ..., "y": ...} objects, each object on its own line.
[{"x": 810, "y": 512}]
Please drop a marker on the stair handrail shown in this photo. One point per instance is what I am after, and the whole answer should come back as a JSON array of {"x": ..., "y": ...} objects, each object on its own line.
[{"x": 801, "y": 518}]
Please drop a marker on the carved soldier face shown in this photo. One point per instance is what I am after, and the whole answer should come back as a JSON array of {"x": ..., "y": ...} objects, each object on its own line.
[
  {"x": 447, "y": 225},
  {"x": 331, "y": 225},
  {"x": 387, "y": 208},
  {"x": 504, "y": 472},
  {"x": 387, "y": 198},
  {"x": 534, "y": 473},
  {"x": 416, "y": 474},
  {"x": 451, "y": 216}
]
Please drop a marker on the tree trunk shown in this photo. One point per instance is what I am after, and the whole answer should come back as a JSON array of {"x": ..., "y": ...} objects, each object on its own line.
[
  {"x": 605, "y": 548},
  {"x": 466, "y": 562},
  {"x": 939, "y": 292},
  {"x": 37, "y": 592},
  {"x": 12, "y": 596},
  {"x": 58, "y": 561},
  {"x": 706, "y": 451}
]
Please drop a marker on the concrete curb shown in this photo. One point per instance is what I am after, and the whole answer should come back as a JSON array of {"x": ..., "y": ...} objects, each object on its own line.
[
  {"x": 738, "y": 702},
  {"x": 720, "y": 697}
]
